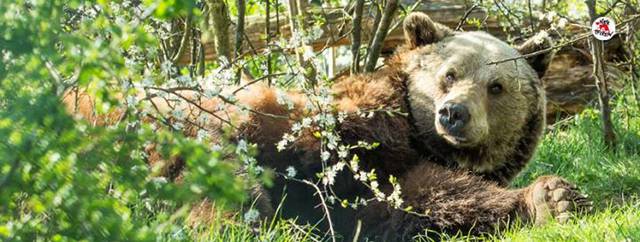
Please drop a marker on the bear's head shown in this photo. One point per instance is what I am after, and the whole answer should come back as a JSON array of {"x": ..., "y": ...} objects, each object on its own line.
[{"x": 465, "y": 106}]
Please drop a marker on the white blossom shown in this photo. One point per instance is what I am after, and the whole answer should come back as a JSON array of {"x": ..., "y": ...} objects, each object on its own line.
[
  {"x": 131, "y": 101},
  {"x": 166, "y": 68},
  {"x": 178, "y": 113},
  {"x": 562, "y": 23},
  {"x": 306, "y": 122},
  {"x": 343, "y": 152},
  {"x": 251, "y": 215},
  {"x": 296, "y": 127},
  {"x": 242, "y": 146},
  {"x": 282, "y": 145},
  {"x": 211, "y": 92},
  {"x": 291, "y": 172},
  {"x": 282, "y": 99},
  {"x": 184, "y": 80},
  {"x": 331, "y": 199},
  {"x": 341, "y": 116},
  {"x": 178, "y": 126},
  {"x": 202, "y": 135},
  {"x": 308, "y": 53},
  {"x": 54, "y": 157},
  {"x": 329, "y": 177},
  {"x": 394, "y": 198},
  {"x": 325, "y": 155}
]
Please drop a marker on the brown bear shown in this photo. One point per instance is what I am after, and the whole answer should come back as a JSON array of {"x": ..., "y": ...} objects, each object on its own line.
[{"x": 470, "y": 128}]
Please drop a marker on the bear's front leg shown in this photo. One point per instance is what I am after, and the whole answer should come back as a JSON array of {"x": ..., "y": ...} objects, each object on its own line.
[{"x": 449, "y": 201}]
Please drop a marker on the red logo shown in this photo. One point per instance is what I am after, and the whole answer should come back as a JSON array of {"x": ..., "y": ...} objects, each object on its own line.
[{"x": 603, "y": 28}]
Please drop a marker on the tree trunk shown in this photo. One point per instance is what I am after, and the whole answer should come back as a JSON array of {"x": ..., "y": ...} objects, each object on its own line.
[
  {"x": 631, "y": 42},
  {"x": 219, "y": 22},
  {"x": 601, "y": 81},
  {"x": 355, "y": 37},
  {"x": 239, "y": 33},
  {"x": 267, "y": 33},
  {"x": 381, "y": 34}
]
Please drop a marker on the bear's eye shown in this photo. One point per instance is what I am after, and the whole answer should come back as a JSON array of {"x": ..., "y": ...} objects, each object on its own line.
[
  {"x": 495, "y": 88},
  {"x": 450, "y": 77}
]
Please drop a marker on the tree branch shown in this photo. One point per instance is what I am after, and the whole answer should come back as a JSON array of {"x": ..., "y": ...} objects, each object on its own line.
[
  {"x": 466, "y": 15},
  {"x": 240, "y": 4},
  {"x": 220, "y": 22},
  {"x": 355, "y": 37},
  {"x": 571, "y": 42},
  {"x": 381, "y": 34},
  {"x": 599, "y": 72}
]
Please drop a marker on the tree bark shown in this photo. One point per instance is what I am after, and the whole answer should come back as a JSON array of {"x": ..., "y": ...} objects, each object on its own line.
[
  {"x": 239, "y": 33},
  {"x": 219, "y": 22},
  {"x": 377, "y": 15},
  {"x": 381, "y": 34},
  {"x": 599, "y": 73},
  {"x": 355, "y": 36},
  {"x": 631, "y": 42},
  {"x": 267, "y": 33}
]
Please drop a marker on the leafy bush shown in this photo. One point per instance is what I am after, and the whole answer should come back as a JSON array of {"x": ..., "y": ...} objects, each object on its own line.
[{"x": 63, "y": 179}]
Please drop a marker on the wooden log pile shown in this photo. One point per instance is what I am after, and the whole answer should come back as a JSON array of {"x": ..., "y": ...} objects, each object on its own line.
[{"x": 569, "y": 83}]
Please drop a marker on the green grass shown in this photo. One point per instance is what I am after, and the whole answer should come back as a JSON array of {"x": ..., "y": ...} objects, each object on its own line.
[
  {"x": 610, "y": 224},
  {"x": 232, "y": 228},
  {"x": 573, "y": 149}
]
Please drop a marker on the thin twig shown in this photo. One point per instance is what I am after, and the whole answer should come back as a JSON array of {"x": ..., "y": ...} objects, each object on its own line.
[
  {"x": 531, "y": 21},
  {"x": 240, "y": 4},
  {"x": 325, "y": 207},
  {"x": 257, "y": 80},
  {"x": 410, "y": 10},
  {"x": 579, "y": 38},
  {"x": 466, "y": 15},
  {"x": 610, "y": 8},
  {"x": 506, "y": 13},
  {"x": 192, "y": 103},
  {"x": 356, "y": 236},
  {"x": 183, "y": 41}
]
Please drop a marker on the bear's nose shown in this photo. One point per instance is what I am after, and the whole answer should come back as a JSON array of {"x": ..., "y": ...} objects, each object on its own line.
[{"x": 453, "y": 117}]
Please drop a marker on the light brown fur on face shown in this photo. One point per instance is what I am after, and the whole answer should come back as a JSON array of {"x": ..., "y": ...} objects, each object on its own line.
[
  {"x": 495, "y": 118},
  {"x": 453, "y": 68}
]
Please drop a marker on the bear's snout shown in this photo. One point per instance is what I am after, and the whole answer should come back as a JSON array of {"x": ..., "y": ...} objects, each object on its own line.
[{"x": 453, "y": 117}]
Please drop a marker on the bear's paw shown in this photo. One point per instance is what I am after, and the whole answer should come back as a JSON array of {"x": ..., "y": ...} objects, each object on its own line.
[{"x": 554, "y": 197}]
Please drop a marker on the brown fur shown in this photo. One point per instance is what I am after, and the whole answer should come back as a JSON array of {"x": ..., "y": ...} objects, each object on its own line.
[
  {"x": 505, "y": 131},
  {"x": 459, "y": 202}
]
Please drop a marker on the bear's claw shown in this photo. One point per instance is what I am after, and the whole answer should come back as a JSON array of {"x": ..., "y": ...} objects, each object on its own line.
[{"x": 554, "y": 197}]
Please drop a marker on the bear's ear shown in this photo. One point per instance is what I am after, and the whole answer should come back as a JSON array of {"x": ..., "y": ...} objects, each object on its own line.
[
  {"x": 420, "y": 30},
  {"x": 539, "y": 62}
]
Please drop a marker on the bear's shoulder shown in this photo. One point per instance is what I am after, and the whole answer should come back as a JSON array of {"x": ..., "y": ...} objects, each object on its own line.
[{"x": 383, "y": 89}]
